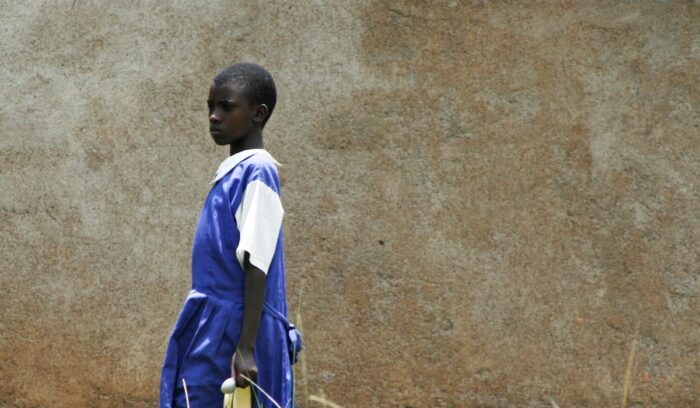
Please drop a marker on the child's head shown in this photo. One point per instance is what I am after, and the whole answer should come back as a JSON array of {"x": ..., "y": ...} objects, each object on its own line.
[
  {"x": 255, "y": 83},
  {"x": 241, "y": 100}
]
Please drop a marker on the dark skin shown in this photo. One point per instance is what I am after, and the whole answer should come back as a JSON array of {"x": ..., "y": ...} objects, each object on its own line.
[{"x": 236, "y": 122}]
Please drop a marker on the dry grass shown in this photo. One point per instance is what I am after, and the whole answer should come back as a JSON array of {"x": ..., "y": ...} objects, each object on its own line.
[{"x": 630, "y": 365}]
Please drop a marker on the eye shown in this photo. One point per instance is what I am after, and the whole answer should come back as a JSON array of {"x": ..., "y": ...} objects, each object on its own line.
[{"x": 226, "y": 106}]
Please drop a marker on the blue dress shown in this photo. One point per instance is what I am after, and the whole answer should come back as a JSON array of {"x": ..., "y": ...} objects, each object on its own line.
[{"x": 209, "y": 325}]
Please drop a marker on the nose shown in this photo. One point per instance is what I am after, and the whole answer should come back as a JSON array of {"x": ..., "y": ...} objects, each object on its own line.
[{"x": 214, "y": 118}]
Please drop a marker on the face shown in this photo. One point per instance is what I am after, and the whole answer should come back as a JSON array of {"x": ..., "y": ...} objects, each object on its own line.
[{"x": 231, "y": 117}]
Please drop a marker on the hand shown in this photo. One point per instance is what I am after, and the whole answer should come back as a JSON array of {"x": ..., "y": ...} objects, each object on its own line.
[{"x": 243, "y": 362}]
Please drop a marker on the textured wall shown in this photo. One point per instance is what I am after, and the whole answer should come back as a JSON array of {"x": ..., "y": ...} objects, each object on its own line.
[{"x": 489, "y": 203}]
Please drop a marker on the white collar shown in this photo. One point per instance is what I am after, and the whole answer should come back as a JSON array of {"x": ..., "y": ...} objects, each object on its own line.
[{"x": 231, "y": 162}]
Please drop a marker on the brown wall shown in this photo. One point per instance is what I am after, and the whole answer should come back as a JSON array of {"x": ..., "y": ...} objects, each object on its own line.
[{"x": 487, "y": 202}]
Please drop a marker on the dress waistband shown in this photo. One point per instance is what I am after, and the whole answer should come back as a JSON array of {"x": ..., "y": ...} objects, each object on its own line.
[
  {"x": 198, "y": 293},
  {"x": 195, "y": 293}
]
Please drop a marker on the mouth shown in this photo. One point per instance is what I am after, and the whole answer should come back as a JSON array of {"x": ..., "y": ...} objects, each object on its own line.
[{"x": 216, "y": 133}]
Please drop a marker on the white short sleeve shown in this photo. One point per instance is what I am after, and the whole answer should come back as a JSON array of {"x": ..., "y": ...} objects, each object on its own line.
[{"x": 259, "y": 219}]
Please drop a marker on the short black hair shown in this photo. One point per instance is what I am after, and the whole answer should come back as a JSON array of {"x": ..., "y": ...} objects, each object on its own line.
[{"x": 258, "y": 86}]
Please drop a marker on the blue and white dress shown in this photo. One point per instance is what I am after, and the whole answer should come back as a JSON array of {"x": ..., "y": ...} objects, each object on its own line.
[{"x": 243, "y": 213}]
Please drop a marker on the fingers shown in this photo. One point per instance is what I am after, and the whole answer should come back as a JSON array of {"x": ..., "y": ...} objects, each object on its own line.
[
  {"x": 242, "y": 381},
  {"x": 241, "y": 368},
  {"x": 243, "y": 371},
  {"x": 233, "y": 367}
]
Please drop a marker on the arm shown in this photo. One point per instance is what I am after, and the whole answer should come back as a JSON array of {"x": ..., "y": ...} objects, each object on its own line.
[
  {"x": 243, "y": 361},
  {"x": 259, "y": 219}
]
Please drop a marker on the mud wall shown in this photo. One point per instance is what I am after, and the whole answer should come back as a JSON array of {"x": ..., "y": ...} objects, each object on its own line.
[{"x": 488, "y": 203}]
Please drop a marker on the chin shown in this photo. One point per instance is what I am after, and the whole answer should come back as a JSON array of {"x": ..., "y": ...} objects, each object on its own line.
[{"x": 221, "y": 140}]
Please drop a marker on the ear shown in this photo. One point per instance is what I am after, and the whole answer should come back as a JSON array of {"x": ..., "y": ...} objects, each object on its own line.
[{"x": 260, "y": 113}]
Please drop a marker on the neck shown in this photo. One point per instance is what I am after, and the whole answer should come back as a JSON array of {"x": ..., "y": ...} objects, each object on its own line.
[{"x": 253, "y": 140}]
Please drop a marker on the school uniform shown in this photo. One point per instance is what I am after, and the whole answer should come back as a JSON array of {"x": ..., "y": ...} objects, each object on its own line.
[{"x": 242, "y": 213}]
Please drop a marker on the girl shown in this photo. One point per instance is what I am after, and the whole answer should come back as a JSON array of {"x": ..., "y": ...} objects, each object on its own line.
[{"x": 233, "y": 322}]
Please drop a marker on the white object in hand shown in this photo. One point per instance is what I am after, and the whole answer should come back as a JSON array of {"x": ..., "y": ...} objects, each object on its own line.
[{"x": 229, "y": 386}]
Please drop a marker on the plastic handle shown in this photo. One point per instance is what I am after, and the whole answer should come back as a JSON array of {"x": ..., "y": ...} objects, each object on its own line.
[{"x": 229, "y": 386}]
